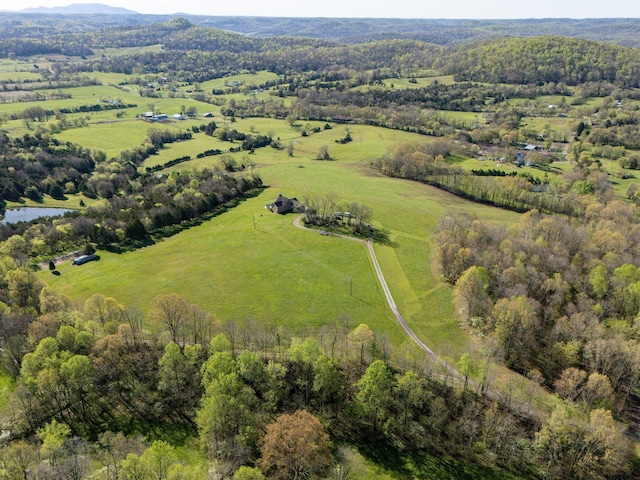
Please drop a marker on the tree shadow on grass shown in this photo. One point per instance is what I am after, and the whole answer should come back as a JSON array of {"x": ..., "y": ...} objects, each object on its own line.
[
  {"x": 381, "y": 236},
  {"x": 170, "y": 230},
  {"x": 387, "y": 457},
  {"x": 408, "y": 466}
]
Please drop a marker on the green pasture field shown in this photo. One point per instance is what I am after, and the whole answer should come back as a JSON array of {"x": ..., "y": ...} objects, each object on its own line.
[
  {"x": 81, "y": 96},
  {"x": 615, "y": 171},
  {"x": 115, "y": 136},
  {"x": 592, "y": 102},
  {"x": 552, "y": 99},
  {"x": 113, "y": 78},
  {"x": 557, "y": 124},
  {"x": 245, "y": 80},
  {"x": 243, "y": 97},
  {"x": 274, "y": 273},
  {"x": 71, "y": 202},
  {"x": 469, "y": 117},
  {"x": 235, "y": 271},
  {"x": 9, "y": 65},
  {"x": 198, "y": 144},
  {"x": 11, "y": 76}
]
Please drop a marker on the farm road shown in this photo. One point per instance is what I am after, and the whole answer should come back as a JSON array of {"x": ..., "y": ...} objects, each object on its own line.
[
  {"x": 389, "y": 298},
  {"x": 450, "y": 369}
]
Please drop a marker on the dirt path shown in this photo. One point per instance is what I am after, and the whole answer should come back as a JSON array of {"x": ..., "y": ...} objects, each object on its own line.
[{"x": 61, "y": 259}]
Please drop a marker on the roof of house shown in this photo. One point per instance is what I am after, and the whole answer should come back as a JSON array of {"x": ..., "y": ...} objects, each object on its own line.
[
  {"x": 283, "y": 201},
  {"x": 283, "y": 204}
]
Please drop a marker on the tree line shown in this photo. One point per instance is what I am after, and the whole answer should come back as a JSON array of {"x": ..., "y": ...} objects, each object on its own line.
[
  {"x": 427, "y": 163},
  {"x": 250, "y": 394}
]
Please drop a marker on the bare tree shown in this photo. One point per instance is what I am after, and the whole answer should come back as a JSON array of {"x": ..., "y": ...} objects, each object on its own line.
[{"x": 172, "y": 311}]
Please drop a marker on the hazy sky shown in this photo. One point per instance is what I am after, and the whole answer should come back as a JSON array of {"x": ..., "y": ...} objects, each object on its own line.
[{"x": 368, "y": 8}]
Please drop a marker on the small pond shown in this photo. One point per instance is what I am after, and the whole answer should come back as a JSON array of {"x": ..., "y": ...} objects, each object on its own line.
[{"x": 26, "y": 214}]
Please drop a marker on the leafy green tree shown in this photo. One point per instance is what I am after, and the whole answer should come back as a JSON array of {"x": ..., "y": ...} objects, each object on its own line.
[
  {"x": 53, "y": 436},
  {"x": 217, "y": 365},
  {"x": 24, "y": 289},
  {"x": 226, "y": 420},
  {"x": 375, "y": 390},
  {"x": 599, "y": 280},
  {"x": 17, "y": 459},
  {"x": 158, "y": 459},
  {"x": 598, "y": 392},
  {"x": 303, "y": 354},
  {"x": 466, "y": 368},
  {"x": 102, "y": 309},
  {"x": 410, "y": 395},
  {"x": 248, "y": 473},
  {"x": 52, "y": 301},
  {"x": 568, "y": 447},
  {"x": 133, "y": 468},
  {"x": 328, "y": 380},
  {"x": 276, "y": 391},
  {"x": 179, "y": 380},
  {"x": 251, "y": 370},
  {"x": 76, "y": 376}
]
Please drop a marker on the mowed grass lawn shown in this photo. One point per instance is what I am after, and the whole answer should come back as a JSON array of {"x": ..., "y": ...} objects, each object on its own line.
[{"x": 279, "y": 274}]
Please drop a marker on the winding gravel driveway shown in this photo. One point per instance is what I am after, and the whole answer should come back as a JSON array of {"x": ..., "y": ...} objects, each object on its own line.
[{"x": 389, "y": 297}]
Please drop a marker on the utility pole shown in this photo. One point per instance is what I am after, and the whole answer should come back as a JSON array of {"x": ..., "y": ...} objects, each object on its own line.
[{"x": 254, "y": 220}]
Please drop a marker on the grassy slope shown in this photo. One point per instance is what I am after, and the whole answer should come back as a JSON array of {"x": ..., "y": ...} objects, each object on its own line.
[{"x": 218, "y": 263}]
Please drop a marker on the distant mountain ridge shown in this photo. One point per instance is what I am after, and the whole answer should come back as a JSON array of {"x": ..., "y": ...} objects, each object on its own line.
[
  {"x": 77, "y": 18},
  {"x": 82, "y": 9}
]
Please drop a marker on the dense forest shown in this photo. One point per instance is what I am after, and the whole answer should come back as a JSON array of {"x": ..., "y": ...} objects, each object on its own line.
[
  {"x": 508, "y": 115},
  {"x": 545, "y": 60}
]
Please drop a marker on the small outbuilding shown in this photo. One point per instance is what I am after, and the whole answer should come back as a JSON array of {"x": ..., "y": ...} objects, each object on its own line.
[{"x": 84, "y": 259}]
